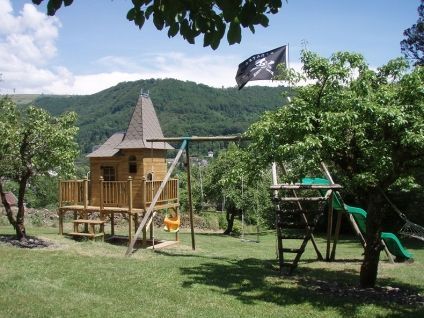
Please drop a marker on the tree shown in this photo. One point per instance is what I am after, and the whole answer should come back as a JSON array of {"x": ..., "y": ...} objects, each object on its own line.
[
  {"x": 32, "y": 144},
  {"x": 228, "y": 178},
  {"x": 413, "y": 44},
  {"x": 192, "y": 18},
  {"x": 367, "y": 124}
]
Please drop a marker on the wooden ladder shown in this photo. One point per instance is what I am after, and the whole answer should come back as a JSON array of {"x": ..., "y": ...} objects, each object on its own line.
[{"x": 293, "y": 223}]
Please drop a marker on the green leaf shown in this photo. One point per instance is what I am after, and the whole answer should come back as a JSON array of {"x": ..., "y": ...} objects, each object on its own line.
[
  {"x": 158, "y": 20},
  {"x": 131, "y": 14},
  {"x": 234, "y": 33},
  {"x": 173, "y": 29},
  {"x": 53, "y": 6},
  {"x": 139, "y": 19}
]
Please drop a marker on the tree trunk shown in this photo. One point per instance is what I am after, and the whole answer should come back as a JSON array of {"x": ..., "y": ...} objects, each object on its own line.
[
  {"x": 20, "y": 216},
  {"x": 8, "y": 209},
  {"x": 231, "y": 212},
  {"x": 373, "y": 246},
  {"x": 230, "y": 222}
]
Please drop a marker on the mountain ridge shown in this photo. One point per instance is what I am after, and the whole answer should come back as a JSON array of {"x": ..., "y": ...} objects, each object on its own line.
[{"x": 184, "y": 108}]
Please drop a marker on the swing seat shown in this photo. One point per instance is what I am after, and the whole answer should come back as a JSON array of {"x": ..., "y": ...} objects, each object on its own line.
[{"x": 172, "y": 224}]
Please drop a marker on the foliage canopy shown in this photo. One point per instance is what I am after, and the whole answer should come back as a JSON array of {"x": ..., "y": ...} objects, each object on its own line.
[
  {"x": 192, "y": 18},
  {"x": 413, "y": 44},
  {"x": 369, "y": 124},
  {"x": 33, "y": 144}
]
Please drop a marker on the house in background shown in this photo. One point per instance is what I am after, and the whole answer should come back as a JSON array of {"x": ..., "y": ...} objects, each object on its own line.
[
  {"x": 11, "y": 199},
  {"x": 125, "y": 174}
]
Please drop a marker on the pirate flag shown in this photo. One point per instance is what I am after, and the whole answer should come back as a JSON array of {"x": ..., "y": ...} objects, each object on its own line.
[{"x": 260, "y": 66}]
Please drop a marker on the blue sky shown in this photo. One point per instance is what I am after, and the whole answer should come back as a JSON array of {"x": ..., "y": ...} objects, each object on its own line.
[{"x": 90, "y": 45}]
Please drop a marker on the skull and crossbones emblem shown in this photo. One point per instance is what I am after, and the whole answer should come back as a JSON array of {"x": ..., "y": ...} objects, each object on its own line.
[{"x": 262, "y": 64}]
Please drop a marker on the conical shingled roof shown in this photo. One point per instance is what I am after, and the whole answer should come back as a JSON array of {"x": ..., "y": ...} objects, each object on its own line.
[
  {"x": 108, "y": 149},
  {"x": 144, "y": 124}
]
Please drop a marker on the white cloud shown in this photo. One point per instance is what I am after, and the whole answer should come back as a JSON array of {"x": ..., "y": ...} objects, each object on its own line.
[
  {"x": 28, "y": 48},
  {"x": 27, "y": 44}
]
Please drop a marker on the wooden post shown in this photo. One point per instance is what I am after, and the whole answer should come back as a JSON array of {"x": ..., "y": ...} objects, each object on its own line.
[
  {"x": 390, "y": 257},
  {"x": 190, "y": 201},
  {"x": 60, "y": 193},
  {"x": 144, "y": 241},
  {"x": 143, "y": 205},
  {"x": 329, "y": 226},
  {"x": 75, "y": 201},
  {"x": 177, "y": 210},
  {"x": 143, "y": 193},
  {"x": 101, "y": 194},
  {"x": 59, "y": 210},
  {"x": 336, "y": 235},
  {"x": 150, "y": 209},
  {"x": 85, "y": 198},
  {"x": 357, "y": 230},
  {"x": 85, "y": 201},
  {"x": 130, "y": 205}
]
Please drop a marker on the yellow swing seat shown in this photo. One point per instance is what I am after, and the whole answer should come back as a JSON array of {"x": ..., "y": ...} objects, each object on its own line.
[{"x": 172, "y": 224}]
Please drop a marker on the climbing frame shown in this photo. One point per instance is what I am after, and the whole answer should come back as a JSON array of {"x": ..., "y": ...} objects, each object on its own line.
[{"x": 297, "y": 213}]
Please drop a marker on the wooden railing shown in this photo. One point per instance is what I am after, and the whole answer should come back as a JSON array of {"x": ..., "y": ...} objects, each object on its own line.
[
  {"x": 115, "y": 193},
  {"x": 168, "y": 195},
  {"x": 72, "y": 192}
]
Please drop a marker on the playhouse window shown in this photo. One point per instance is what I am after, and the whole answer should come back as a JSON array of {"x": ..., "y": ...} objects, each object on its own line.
[
  {"x": 132, "y": 164},
  {"x": 109, "y": 173}
]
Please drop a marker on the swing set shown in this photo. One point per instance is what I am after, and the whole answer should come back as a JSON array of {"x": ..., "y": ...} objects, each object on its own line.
[{"x": 173, "y": 223}]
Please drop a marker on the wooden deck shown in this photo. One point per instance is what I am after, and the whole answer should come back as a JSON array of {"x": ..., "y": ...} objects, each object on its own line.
[{"x": 115, "y": 197}]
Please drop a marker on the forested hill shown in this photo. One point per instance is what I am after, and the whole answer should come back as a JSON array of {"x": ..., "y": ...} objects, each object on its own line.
[{"x": 184, "y": 108}]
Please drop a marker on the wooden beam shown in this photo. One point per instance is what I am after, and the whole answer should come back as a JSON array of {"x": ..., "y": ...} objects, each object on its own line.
[
  {"x": 305, "y": 199},
  {"x": 336, "y": 235},
  {"x": 190, "y": 201},
  {"x": 199, "y": 138},
  {"x": 85, "y": 182},
  {"x": 329, "y": 225},
  {"x": 149, "y": 211},
  {"x": 298, "y": 186}
]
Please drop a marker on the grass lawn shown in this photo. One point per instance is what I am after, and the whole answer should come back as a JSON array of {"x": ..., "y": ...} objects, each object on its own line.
[{"x": 224, "y": 277}]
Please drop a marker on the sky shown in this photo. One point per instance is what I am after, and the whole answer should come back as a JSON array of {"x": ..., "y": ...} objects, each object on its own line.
[{"x": 91, "y": 46}]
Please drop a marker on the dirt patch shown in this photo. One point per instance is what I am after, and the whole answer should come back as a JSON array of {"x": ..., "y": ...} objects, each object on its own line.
[
  {"x": 385, "y": 294},
  {"x": 30, "y": 242}
]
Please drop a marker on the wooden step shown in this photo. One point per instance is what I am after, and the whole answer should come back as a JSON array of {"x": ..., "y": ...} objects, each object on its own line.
[
  {"x": 292, "y": 225},
  {"x": 93, "y": 235},
  {"x": 83, "y": 221},
  {"x": 293, "y": 236},
  {"x": 292, "y": 250}
]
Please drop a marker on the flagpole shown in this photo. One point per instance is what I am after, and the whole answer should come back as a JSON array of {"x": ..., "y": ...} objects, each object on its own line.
[
  {"x": 288, "y": 56},
  {"x": 288, "y": 67}
]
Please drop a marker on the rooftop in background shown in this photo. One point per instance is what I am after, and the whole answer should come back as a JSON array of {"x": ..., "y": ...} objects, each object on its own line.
[{"x": 11, "y": 199}]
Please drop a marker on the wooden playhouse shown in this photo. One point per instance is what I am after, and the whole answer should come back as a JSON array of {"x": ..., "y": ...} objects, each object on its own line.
[{"x": 125, "y": 173}]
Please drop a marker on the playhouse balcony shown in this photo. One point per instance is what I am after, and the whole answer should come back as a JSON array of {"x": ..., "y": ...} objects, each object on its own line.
[{"x": 131, "y": 197}]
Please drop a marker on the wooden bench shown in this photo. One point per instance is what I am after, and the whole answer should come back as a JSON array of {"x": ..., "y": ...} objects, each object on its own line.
[{"x": 91, "y": 225}]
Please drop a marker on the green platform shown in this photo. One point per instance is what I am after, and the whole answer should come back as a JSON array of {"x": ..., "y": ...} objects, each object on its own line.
[{"x": 391, "y": 240}]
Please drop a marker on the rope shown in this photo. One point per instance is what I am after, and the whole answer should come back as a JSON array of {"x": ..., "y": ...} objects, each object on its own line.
[
  {"x": 409, "y": 228},
  {"x": 395, "y": 208},
  {"x": 412, "y": 230}
]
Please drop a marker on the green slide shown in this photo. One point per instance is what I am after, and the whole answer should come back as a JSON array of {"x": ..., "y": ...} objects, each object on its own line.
[{"x": 391, "y": 240}]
